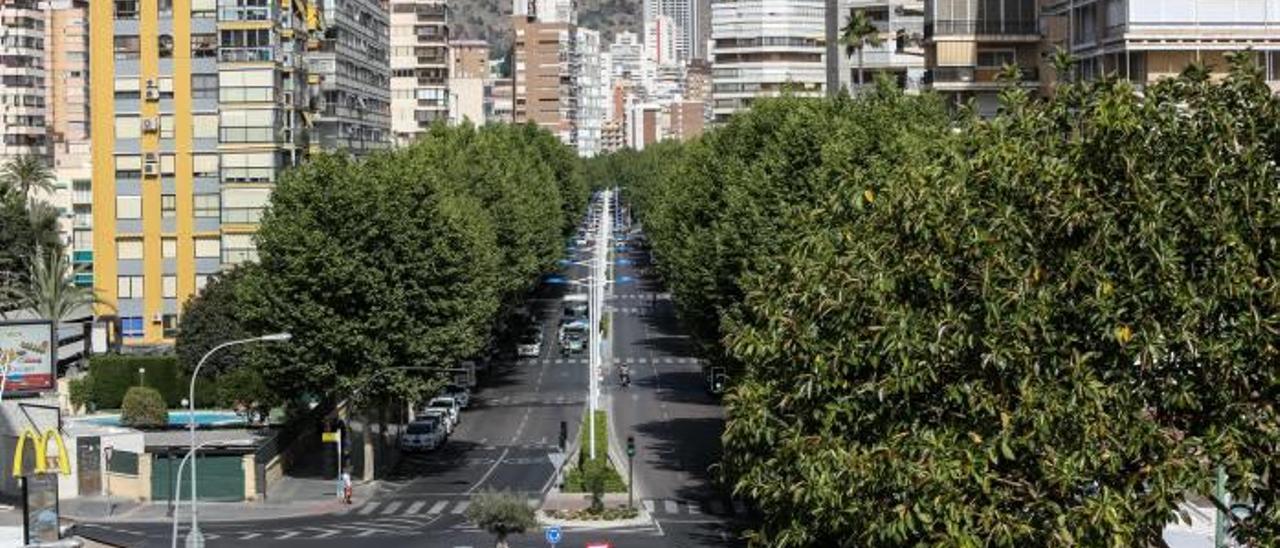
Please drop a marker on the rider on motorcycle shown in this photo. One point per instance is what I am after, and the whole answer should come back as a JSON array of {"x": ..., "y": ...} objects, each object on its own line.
[{"x": 624, "y": 374}]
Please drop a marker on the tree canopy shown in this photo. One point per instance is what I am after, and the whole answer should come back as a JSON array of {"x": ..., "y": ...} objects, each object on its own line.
[
  {"x": 404, "y": 259},
  {"x": 1047, "y": 328}
]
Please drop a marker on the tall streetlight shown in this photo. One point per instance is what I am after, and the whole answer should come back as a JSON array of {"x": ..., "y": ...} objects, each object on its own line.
[{"x": 194, "y": 538}]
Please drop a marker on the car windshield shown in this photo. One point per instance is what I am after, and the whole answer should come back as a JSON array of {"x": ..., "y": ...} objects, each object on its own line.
[
  {"x": 447, "y": 404},
  {"x": 422, "y": 428}
]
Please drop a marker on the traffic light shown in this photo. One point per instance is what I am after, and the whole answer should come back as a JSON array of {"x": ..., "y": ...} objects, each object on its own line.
[
  {"x": 564, "y": 435},
  {"x": 631, "y": 446}
]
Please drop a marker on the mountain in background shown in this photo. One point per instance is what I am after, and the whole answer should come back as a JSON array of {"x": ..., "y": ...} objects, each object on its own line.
[{"x": 490, "y": 20}]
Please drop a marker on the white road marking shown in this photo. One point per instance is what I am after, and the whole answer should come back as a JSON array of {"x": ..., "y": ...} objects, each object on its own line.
[
  {"x": 413, "y": 508},
  {"x": 648, "y": 504},
  {"x": 368, "y": 508},
  {"x": 669, "y": 505},
  {"x": 693, "y": 507},
  {"x": 460, "y": 508},
  {"x": 435, "y": 508},
  {"x": 533, "y": 503},
  {"x": 252, "y": 536},
  {"x": 292, "y": 534},
  {"x": 391, "y": 506}
]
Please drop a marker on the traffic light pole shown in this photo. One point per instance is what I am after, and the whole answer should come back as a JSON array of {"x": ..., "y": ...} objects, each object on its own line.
[{"x": 631, "y": 471}]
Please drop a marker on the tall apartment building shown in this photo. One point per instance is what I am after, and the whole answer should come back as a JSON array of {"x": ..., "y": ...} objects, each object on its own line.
[
  {"x": 544, "y": 79},
  {"x": 900, "y": 54},
  {"x": 419, "y": 66},
  {"x": 23, "y": 117},
  {"x": 967, "y": 43},
  {"x": 662, "y": 42},
  {"x": 593, "y": 91},
  {"x": 627, "y": 53},
  {"x": 67, "y": 100},
  {"x": 197, "y": 107},
  {"x": 1147, "y": 41},
  {"x": 468, "y": 71},
  {"x": 760, "y": 47},
  {"x": 352, "y": 66},
  {"x": 682, "y": 25}
]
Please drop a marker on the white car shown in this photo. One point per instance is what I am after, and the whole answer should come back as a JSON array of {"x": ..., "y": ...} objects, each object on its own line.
[
  {"x": 459, "y": 394},
  {"x": 448, "y": 404},
  {"x": 440, "y": 415},
  {"x": 424, "y": 435},
  {"x": 530, "y": 344}
]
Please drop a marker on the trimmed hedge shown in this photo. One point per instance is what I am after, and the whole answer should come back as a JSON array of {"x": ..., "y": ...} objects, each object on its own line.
[{"x": 112, "y": 375}]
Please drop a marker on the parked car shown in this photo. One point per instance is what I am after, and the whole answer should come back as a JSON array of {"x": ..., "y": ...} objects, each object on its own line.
[
  {"x": 448, "y": 404},
  {"x": 441, "y": 416},
  {"x": 573, "y": 336},
  {"x": 460, "y": 394},
  {"x": 424, "y": 434},
  {"x": 530, "y": 343}
]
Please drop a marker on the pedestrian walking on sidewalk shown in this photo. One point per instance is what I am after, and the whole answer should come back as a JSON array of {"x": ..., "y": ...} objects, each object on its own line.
[{"x": 346, "y": 486}]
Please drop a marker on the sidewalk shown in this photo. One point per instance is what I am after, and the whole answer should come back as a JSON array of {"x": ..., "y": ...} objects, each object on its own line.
[{"x": 294, "y": 497}]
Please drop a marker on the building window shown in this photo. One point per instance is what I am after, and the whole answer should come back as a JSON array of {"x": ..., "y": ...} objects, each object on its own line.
[
  {"x": 996, "y": 58},
  {"x": 128, "y": 207},
  {"x": 165, "y": 8},
  {"x": 169, "y": 286},
  {"x": 208, "y": 248},
  {"x": 126, "y": 9},
  {"x": 127, "y": 47},
  {"x": 170, "y": 322},
  {"x": 82, "y": 239},
  {"x": 131, "y": 327},
  {"x": 127, "y": 88},
  {"x": 238, "y": 248},
  {"x": 205, "y": 126},
  {"x": 201, "y": 281},
  {"x": 204, "y": 86},
  {"x": 204, "y": 46},
  {"x": 128, "y": 167},
  {"x": 246, "y": 45},
  {"x": 258, "y": 167},
  {"x": 169, "y": 248},
  {"x": 168, "y": 206},
  {"x": 129, "y": 287},
  {"x": 128, "y": 127},
  {"x": 166, "y": 126},
  {"x": 248, "y": 126},
  {"x": 129, "y": 248},
  {"x": 204, "y": 165},
  {"x": 207, "y": 205},
  {"x": 204, "y": 9}
]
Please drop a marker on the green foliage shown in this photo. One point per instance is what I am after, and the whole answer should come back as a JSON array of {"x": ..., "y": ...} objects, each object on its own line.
[
  {"x": 112, "y": 375},
  {"x": 595, "y": 476},
  {"x": 80, "y": 392},
  {"x": 243, "y": 389},
  {"x": 859, "y": 33},
  {"x": 1043, "y": 329},
  {"x": 25, "y": 225},
  {"x": 501, "y": 513},
  {"x": 213, "y": 317},
  {"x": 143, "y": 407},
  {"x": 49, "y": 288},
  {"x": 25, "y": 173},
  {"x": 404, "y": 259}
]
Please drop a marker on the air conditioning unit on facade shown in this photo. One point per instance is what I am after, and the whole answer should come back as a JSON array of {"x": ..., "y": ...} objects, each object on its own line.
[
  {"x": 150, "y": 125},
  {"x": 151, "y": 93},
  {"x": 157, "y": 318},
  {"x": 150, "y": 170}
]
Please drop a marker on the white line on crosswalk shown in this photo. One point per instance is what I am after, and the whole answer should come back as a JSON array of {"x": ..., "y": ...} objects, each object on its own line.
[
  {"x": 648, "y": 504},
  {"x": 252, "y": 536},
  {"x": 533, "y": 503},
  {"x": 391, "y": 506},
  {"x": 435, "y": 508},
  {"x": 460, "y": 508},
  {"x": 292, "y": 534},
  {"x": 693, "y": 506},
  {"x": 413, "y": 508},
  {"x": 668, "y": 505},
  {"x": 367, "y": 508},
  {"x": 558, "y": 361}
]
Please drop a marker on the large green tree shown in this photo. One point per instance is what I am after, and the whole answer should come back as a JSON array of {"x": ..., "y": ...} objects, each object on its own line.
[
  {"x": 26, "y": 173},
  {"x": 212, "y": 317},
  {"x": 1046, "y": 329},
  {"x": 371, "y": 265}
]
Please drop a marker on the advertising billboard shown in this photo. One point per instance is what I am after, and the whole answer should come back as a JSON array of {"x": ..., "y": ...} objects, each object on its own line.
[{"x": 26, "y": 355}]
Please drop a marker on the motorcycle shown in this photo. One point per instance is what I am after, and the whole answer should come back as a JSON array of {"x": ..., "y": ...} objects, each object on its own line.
[{"x": 625, "y": 377}]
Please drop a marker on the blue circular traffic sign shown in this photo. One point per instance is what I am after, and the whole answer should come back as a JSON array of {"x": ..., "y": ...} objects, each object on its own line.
[{"x": 553, "y": 534}]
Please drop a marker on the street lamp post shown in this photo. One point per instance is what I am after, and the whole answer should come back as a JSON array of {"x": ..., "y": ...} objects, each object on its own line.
[
  {"x": 194, "y": 536},
  {"x": 191, "y": 538}
]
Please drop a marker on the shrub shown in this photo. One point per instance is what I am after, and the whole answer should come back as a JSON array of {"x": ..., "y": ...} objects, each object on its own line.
[
  {"x": 502, "y": 514},
  {"x": 80, "y": 392},
  {"x": 144, "y": 408}
]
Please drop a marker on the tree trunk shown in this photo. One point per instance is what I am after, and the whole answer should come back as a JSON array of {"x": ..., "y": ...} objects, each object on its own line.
[
  {"x": 860, "y": 75},
  {"x": 502, "y": 541},
  {"x": 366, "y": 427}
]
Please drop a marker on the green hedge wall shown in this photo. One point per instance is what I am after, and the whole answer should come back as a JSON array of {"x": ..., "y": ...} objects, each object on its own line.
[{"x": 113, "y": 375}]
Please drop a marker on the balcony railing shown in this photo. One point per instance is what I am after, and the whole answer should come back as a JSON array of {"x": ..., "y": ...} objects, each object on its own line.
[
  {"x": 242, "y": 215},
  {"x": 943, "y": 27},
  {"x": 250, "y": 13},
  {"x": 965, "y": 75},
  {"x": 246, "y": 55}
]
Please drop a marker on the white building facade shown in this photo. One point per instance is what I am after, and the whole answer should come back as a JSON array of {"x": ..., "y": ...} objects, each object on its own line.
[
  {"x": 419, "y": 66},
  {"x": 761, "y": 47}
]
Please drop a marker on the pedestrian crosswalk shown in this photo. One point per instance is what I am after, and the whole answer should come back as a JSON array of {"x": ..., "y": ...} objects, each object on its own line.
[
  {"x": 640, "y": 296},
  {"x": 657, "y": 360},
  {"x": 694, "y": 508},
  {"x": 409, "y": 509}
]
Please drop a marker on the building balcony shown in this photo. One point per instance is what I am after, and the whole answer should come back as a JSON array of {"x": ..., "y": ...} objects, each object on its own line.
[
  {"x": 1019, "y": 29},
  {"x": 247, "y": 13},
  {"x": 975, "y": 77},
  {"x": 82, "y": 256},
  {"x": 246, "y": 55}
]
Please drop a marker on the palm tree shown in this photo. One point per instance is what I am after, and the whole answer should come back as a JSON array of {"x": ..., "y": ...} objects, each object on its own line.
[
  {"x": 27, "y": 172},
  {"x": 859, "y": 33},
  {"x": 49, "y": 289}
]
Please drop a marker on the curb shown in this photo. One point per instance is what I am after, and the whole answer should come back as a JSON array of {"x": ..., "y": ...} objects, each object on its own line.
[
  {"x": 253, "y": 514},
  {"x": 643, "y": 518}
]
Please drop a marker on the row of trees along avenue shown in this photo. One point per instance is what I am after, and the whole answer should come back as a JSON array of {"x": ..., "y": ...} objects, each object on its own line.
[
  {"x": 408, "y": 258},
  {"x": 1043, "y": 329}
]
